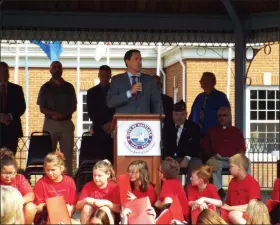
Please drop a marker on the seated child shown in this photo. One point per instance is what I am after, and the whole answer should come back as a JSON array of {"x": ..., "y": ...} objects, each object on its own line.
[
  {"x": 201, "y": 193},
  {"x": 257, "y": 213},
  {"x": 242, "y": 188},
  {"x": 10, "y": 177},
  {"x": 55, "y": 183},
  {"x": 140, "y": 182},
  {"x": 102, "y": 191},
  {"x": 168, "y": 173}
]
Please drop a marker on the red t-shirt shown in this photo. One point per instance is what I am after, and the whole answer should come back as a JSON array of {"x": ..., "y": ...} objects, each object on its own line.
[
  {"x": 110, "y": 192},
  {"x": 276, "y": 192},
  {"x": 20, "y": 183},
  {"x": 241, "y": 192},
  {"x": 171, "y": 188},
  {"x": 225, "y": 142},
  {"x": 45, "y": 188},
  {"x": 209, "y": 192},
  {"x": 151, "y": 193}
]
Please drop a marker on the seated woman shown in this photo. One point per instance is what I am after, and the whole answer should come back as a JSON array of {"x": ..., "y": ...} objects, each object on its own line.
[{"x": 11, "y": 206}]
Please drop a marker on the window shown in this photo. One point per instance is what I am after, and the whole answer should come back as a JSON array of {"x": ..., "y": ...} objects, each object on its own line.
[
  {"x": 83, "y": 120},
  {"x": 264, "y": 118}
]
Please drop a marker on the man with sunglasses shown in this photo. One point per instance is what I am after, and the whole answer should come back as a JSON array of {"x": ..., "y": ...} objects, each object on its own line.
[{"x": 220, "y": 143}]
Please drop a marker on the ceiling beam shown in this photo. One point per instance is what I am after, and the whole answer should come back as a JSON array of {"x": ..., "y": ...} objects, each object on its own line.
[
  {"x": 233, "y": 14},
  {"x": 139, "y": 21}
]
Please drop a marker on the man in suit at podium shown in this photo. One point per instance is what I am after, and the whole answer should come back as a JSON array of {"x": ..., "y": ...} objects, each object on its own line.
[
  {"x": 182, "y": 140},
  {"x": 134, "y": 92}
]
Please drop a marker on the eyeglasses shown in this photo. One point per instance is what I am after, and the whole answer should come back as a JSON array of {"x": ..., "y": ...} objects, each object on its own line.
[
  {"x": 9, "y": 173},
  {"x": 222, "y": 115}
]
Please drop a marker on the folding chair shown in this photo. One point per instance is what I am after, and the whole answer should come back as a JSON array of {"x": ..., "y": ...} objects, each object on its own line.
[
  {"x": 92, "y": 150},
  {"x": 40, "y": 145}
]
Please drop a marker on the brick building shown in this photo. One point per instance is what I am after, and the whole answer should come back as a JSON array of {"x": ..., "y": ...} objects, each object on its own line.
[{"x": 263, "y": 75}]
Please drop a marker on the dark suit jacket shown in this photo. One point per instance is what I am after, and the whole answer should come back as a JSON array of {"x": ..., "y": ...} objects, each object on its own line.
[
  {"x": 167, "y": 103},
  {"x": 98, "y": 111},
  {"x": 147, "y": 101},
  {"x": 16, "y": 107},
  {"x": 189, "y": 143}
]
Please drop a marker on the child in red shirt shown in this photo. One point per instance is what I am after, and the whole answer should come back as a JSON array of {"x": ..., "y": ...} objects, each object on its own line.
[
  {"x": 276, "y": 192},
  {"x": 55, "y": 183},
  {"x": 102, "y": 191},
  {"x": 168, "y": 173},
  {"x": 10, "y": 177},
  {"x": 242, "y": 188},
  {"x": 141, "y": 187},
  {"x": 201, "y": 193}
]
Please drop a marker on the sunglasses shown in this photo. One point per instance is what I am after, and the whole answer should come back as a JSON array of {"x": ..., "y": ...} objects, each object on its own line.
[{"x": 222, "y": 115}]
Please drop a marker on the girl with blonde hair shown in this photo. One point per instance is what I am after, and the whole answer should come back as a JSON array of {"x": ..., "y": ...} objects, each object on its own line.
[
  {"x": 11, "y": 206},
  {"x": 102, "y": 191},
  {"x": 55, "y": 183},
  {"x": 257, "y": 213},
  {"x": 208, "y": 216}
]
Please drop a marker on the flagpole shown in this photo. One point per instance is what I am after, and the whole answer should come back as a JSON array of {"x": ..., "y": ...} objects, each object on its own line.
[
  {"x": 79, "y": 114},
  {"x": 26, "y": 91}
]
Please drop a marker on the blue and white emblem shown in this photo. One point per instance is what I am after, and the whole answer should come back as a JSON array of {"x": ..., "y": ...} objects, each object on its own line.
[{"x": 139, "y": 136}]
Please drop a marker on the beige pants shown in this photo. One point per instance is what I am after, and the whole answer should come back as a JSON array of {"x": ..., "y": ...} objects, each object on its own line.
[{"x": 62, "y": 132}]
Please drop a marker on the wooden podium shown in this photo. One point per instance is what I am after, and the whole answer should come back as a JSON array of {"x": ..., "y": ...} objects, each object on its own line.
[{"x": 128, "y": 129}]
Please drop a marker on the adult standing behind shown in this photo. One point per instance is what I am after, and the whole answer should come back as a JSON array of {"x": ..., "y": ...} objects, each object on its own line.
[
  {"x": 57, "y": 101},
  {"x": 206, "y": 104},
  {"x": 167, "y": 102},
  {"x": 99, "y": 113},
  {"x": 133, "y": 91},
  {"x": 12, "y": 107}
]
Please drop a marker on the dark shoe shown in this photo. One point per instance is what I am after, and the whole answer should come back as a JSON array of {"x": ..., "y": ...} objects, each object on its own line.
[{"x": 222, "y": 194}]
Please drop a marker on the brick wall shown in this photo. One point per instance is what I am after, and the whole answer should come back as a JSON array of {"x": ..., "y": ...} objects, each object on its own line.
[
  {"x": 195, "y": 67},
  {"x": 38, "y": 76}
]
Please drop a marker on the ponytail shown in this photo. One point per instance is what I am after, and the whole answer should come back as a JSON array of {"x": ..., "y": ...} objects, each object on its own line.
[{"x": 106, "y": 165}]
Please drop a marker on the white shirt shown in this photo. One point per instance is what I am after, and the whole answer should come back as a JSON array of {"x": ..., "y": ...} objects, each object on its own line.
[{"x": 180, "y": 129}]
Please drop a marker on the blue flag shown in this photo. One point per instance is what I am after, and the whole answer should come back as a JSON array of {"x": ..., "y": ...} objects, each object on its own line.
[{"x": 52, "y": 49}]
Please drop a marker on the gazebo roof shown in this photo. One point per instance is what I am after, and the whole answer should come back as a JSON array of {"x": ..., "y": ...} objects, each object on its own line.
[
  {"x": 244, "y": 7},
  {"x": 165, "y": 21}
]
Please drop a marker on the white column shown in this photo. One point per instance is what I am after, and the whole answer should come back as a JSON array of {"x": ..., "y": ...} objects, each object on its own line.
[
  {"x": 229, "y": 71},
  {"x": 158, "y": 59},
  {"x": 108, "y": 55},
  {"x": 16, "y": 64},
  {"x": 79, "y": 107}
]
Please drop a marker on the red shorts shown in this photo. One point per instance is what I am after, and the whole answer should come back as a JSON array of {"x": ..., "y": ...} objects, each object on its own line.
[
  {"x": 195, "y": 213},
  {"x": 225, "y": 213}
]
